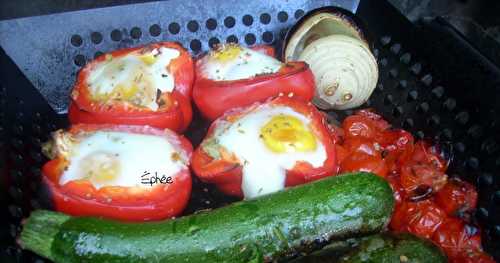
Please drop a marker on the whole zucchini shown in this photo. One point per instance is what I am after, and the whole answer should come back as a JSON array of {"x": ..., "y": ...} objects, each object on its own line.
[
  {"x": 262, "y": 229},
  {"x": 395, "y": 248}
]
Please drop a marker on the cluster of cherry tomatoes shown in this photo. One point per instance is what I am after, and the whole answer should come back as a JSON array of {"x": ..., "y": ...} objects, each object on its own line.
[{"x": 428, "y": 203}]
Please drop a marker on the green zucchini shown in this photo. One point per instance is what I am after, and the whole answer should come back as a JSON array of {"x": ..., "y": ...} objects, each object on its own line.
[
  {"x": 263, "y": 229},
  {"x": 395, "y": 248}
]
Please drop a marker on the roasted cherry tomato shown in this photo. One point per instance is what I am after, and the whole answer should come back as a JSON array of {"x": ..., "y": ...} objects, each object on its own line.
[
  {"x": 397, "y": 146},
  {"x": 363, "y": 155},
  {"x": 398, "y": 191},
  {"x": 364, "y": 123},
  {"x": 147, "y": 85},
  {"x": 365, "y": 163},
  {"x": 420, "y": 218},
  {"x": 421, "y": 180},
  {"x": 416, "y": 172},
  {"x": 80, "y": 196},
  {"x": 456, "y": 238},
  {"x": 216, "y": 94},
  {"x": 424, "y": 153},
  {"x": 213, "y": 163},
  {"x": 362, "y": 145},
  {"x": 457, "y": 197}
]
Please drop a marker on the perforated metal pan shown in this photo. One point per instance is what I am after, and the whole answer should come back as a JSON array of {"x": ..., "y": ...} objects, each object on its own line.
[{"x": 432, "y": 82}]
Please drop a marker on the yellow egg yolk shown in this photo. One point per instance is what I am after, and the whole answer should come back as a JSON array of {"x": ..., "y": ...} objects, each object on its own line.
[
  {"x": 148, "y": 59},
  {"x": 138, "y": 77},
  {"x": 227, "y": 53},
  {"x": 285, "y": 133},
  {"x": 100, "y": 167}
]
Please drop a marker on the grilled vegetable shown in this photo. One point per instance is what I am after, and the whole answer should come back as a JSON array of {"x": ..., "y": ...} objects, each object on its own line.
[
  {"x": 319, "y": 23},
  {"x": 265, "y": 228},
  {"x": 335, "y": 48},
  {"x": 103, "y": 170},
  {"x": 148, "y": 85},
  {"x": 263, "y": 148},
  {"x": 232, "y": 76},
  {"x": 345, "y": 71},
  {"x": 394, "y": 248}
]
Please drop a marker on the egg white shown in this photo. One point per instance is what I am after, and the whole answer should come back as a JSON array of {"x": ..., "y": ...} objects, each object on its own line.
[
  {"x": 263, "y": 170},
  {"x": 247, "y": 64},
  {"x": 105, "y": 76},
  {"x": 135, "y": 154}
]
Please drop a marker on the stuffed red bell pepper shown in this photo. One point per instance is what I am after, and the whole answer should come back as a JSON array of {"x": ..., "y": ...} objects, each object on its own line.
[
  {"x": 131, "y": 173},
  {"x": 234, "y": 76},
  {"x": 264, "y": 147},
  {"x": 148, "y": 85}
]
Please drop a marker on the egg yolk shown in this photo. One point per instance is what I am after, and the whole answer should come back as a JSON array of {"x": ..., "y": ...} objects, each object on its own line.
[
  {"x": 120, "y": 92},
  {"x": 227, "y": 53},
  {"x": 148, "y": 59},
  {"x": 285, "y": 133},
  {"x": 100, "y": 167}
]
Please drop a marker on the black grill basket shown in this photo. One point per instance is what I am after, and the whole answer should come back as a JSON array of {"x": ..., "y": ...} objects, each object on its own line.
[{"x": 432, "y": 82}]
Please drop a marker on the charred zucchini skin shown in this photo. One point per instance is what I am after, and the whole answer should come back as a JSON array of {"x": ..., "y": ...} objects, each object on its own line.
[
  {"x": 262, "y": 229},
  {"x": 395, "y": 248}
]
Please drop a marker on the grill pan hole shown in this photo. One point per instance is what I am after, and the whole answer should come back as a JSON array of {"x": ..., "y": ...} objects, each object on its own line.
[
  {"x": 420, "y": 135},
  {"x": 482, "y": 213},
  {"x": 438, "y": 92},
  {"x": 405, "y": 58},
  {"x": 416, "y": 68},
  {"x": 265, "y": 18},
  {"x": 408, "y": 123},
  {"x": 232, "y": 39},
  {"x": 155, "y": 30},
  {"x": 229, "y": 22},
  {"x": 403, "y": 84},
  {"x": 135, "y": 33},
  {"x": 174, "y": 28},
  {"x": 195, "y": 45},
  {"x": 212, "y": 42},
  {"x": 211, "y": 24},
  {"x": 450, "y": 104},
  {"x": 116, "y": 35},
  {"x": 250, "y": 39},
  {"x": 427, "y": 80},
  {"x": 96, "y": 37},
  {"x": 462, "y": 117},
  {"x": 267, "y": 37},
  {"x": 397, "y": 111},
  {"x": 192, "y": 26},
  {"x": 247, "y": 20},
  {"x": 299, "y": 13},
  {"x": 459, "y": 146},
  {"x": 473, "y": 163},
  {"x": 79, "y": 60},
  {"x": 76, "y": 40},
  {"x": 282, "y": 16},
  {"x": 385, "y": 40},
  {"x": 423, "y": 107},
  {"x": 383, "y": 62},
  {"x": 97, "y": 54},
  {"x": 412, "y": 96},
  {"x": 395, "y": 48}
]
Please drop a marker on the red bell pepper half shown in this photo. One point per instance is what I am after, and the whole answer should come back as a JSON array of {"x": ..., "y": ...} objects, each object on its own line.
[
  {"x": 214, "y": 97},
  {"x": 136, "y": 203},
  {"x": 226, "y": 171},
  {"x": 174, "y": 108}
]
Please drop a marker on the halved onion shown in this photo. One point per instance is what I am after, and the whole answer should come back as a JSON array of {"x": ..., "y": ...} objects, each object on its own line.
[
  {"x": 318, "y": 24},
  {"x": 345, "y": 71}
]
